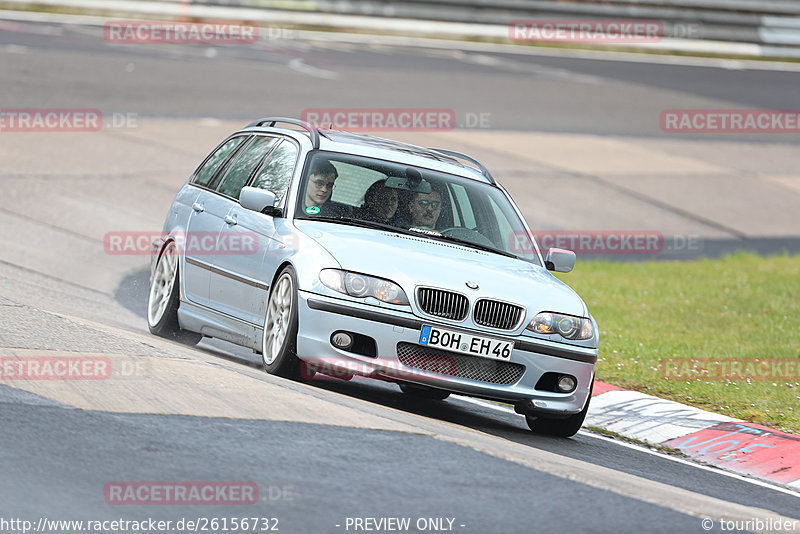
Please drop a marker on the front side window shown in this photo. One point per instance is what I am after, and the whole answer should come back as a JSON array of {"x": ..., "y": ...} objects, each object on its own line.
[
  {"x": 362, "y": 191},
  {"x": 245, "y": 164},
  {"x": 276, "y": 173},
  {"x": 209, "y": 169}
]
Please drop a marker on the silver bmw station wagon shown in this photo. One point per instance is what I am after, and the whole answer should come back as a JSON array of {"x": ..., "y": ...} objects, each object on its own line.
[{"x": 346, "y": 254}]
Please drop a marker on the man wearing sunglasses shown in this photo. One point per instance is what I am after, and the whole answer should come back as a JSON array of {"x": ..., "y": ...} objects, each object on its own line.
[
  {"x": 425, "y": 210},
  {"x": 320, "y": 185}
]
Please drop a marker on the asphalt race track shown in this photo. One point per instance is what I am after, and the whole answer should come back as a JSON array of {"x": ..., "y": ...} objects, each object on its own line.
[{"x": 328, "y": 450}]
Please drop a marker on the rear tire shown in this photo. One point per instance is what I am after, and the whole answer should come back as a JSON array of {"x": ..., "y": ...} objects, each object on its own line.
[
  {"x": 564, "y": 428},
  {"x": 164, "y": 300},
  {"x": 279, "y": 340},
  {"x": 422, "y": 392}
]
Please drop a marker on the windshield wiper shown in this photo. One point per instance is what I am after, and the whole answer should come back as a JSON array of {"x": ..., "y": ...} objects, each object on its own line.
[
  {"x": 473, "y": 245},
  {"x": 383, "y": 226},
  {"x": 362, "y": 223}
]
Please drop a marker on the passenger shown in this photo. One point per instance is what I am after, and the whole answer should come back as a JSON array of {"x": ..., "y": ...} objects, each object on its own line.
[
  {"x": 380, "y": 203},
  {"x": 425, "y": 210},
  {"x": 319, "y": 187}
]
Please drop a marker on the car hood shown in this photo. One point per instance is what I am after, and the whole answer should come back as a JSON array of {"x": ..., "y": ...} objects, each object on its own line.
[{"x": 413, "y": 261}]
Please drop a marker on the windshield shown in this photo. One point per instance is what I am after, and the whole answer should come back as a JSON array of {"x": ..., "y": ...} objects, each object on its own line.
[{"x": 362, "y": 191}]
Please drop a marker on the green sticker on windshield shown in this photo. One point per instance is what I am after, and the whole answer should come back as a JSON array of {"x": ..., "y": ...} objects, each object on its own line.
[{"x": 312, "y": 210}]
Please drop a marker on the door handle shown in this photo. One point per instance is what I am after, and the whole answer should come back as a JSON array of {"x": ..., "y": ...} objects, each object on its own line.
[
  {"x": 231, "y": 220},
  {"x": 198, "y": 208}
]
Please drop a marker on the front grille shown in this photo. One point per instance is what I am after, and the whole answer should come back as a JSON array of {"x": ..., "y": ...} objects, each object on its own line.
[
  {"x": 496, "y": 314},
  {"x": 459, "y": 365},
  {"x": 444, "y": 304}
]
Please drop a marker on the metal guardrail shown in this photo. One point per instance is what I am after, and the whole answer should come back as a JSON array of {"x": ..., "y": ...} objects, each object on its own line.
[{"x": 774, "y": 25}]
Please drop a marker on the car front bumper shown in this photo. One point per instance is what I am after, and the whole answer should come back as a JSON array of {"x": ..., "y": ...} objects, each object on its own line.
[{"x": 399, "y": 355}]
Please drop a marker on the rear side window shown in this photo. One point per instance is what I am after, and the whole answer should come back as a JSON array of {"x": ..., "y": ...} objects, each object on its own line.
[
  {"x": 245, "y": 164},
  {"x": 353, "y": 182},
  {"x": 276, "y": 174},
  {"x": 209, "y": 169}
]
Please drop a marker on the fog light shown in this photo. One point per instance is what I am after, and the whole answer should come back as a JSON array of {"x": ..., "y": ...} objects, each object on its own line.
[
  {"x": 566, "y": 383},
  {"x": 342, "y": 340}
]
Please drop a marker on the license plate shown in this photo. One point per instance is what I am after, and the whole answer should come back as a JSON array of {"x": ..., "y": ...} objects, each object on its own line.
[{"x": 484, "y": 347}]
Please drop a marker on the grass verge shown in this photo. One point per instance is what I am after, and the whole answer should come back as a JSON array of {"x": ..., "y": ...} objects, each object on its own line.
[{"x": 667, "y": 328}]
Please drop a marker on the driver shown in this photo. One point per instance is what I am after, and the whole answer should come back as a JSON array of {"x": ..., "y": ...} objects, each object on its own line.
[{"x": 425, "y": 210}]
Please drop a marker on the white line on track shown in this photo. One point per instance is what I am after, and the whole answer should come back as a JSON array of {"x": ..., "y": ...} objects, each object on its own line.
[
  {"x": 646, "y": 450},
  {"x": 298, "y": 65}
]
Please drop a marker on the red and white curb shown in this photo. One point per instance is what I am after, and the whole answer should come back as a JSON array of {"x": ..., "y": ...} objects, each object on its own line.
[{"x": 722, "y": 441}]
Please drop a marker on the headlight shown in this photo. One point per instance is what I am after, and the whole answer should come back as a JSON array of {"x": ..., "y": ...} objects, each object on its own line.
[
  {"x": 361, "y": 286},
  {"x": 567, "y": 326}
]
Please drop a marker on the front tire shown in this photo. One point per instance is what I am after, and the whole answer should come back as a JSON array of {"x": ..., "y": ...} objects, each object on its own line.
[
  {"x": 164, "y": 300},
  {"x": 564, "y": 428},
  {"x": 279, "y": 341}
]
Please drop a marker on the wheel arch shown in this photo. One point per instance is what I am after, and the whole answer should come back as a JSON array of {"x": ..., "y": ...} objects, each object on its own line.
[
  {"x": 170, "y": 238},
  {"x": 278, "y": 271}
]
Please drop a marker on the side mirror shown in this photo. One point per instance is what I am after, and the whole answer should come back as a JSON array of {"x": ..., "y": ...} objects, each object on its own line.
[
  {"x": 560, "y": 260},
  {"x": 253, "y": 198}
]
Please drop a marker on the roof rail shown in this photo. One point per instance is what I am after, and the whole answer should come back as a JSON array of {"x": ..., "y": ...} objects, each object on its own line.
[
  {"x": 480, "y": 165},
  {"x": 303, "y": 124}
]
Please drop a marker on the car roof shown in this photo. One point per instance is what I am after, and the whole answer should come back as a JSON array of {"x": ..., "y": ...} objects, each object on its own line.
[{"x": 386, "y": 149}]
